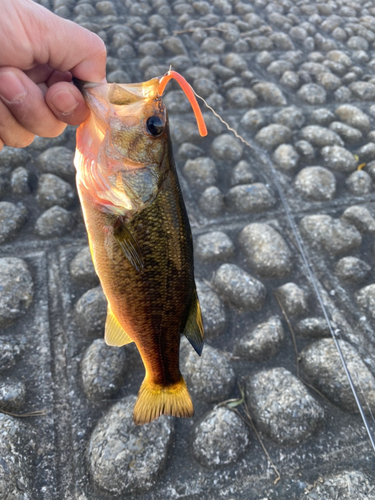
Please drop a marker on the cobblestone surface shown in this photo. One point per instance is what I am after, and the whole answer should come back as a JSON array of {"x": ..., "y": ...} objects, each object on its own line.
[{"x": 297, "y": 81}]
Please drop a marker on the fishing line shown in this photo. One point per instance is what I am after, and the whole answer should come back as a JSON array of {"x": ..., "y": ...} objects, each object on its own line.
[
  {"x": 311, "y": 274},
  {"x": 308, "y": 267}
]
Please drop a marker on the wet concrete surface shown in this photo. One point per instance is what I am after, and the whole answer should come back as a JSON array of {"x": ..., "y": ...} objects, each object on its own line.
[{"x": 296, "y": 80}]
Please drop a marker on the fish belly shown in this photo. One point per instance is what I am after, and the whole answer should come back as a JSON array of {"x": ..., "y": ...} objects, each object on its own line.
[{"x": 151, "y": 306}]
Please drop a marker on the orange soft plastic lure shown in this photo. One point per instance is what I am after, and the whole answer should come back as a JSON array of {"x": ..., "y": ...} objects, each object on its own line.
[{"x": 189, "y": 94}]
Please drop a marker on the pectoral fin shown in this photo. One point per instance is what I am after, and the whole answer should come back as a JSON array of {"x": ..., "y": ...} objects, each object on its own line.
[
  {"x": 194, "y": 325},
  {"x": 128, "y": 245},
  {"x": 114, "y": 334}
]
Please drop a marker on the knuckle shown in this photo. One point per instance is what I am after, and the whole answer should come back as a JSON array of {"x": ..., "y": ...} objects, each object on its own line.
[
  {"x": 18, "y": 140},
  {"x": 55, "y": 131}
]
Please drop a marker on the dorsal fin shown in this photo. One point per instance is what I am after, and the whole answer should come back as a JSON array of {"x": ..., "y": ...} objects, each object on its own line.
[
  {"x": 194, "y": 325},
  {"x": 114, "y": 334}
]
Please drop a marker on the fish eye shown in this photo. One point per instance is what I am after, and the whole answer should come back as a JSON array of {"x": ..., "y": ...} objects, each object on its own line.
[{"x": 155, "y": 125}]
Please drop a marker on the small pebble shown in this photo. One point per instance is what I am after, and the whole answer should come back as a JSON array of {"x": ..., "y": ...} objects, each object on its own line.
[
  {"x": 12, "y": 218},
  {"x": 203, "y": 87},
  {"x": 260, "y": 43},
  {"x": 239, "y": 288},
  {"x": 266, "y": 250},
  {"x": 364, "y": 91},
  {"x": 58, "y": 161},
  {"x": 270, "y": 94},
  {"x": 213, "y": 45},
  {"x": 210, "y": 377},
  {"x": 54, "y": 191},
  {"x": 213, "y": 310},
  {"x": 339, "y": 159},
  {"x": 328, "y": 81},
  {"x": 221, "y": 438},
  {"x": 200, "y": 172},
  {"x": 293, "y": 299},
  {"x": 313, "y": 94},
  {"x": 91, "y": 310},
  {"x": 322, "y": 365},
  {"x": 366, "y": 153},
  {"x": 118, "y": 76},
  {"x": 305, "y": 149},
  {"x": 16, "y": 290},
  {"x": 282, "y": 407},
  {"x": 242, "y": 173},
  {"x": 365, "y": 298},
  {"x": 151, "y": 48},
  {"x": 188, "y": 151},
  {"x": 124, "y": 458},
  {"x": 55, "y": 221},
  {"x": 352, "y": 270},
  {"x": 359, "y": 183},
  {"x": 102, "y": 370},
  {"x": 235, "y": 62},
  {"x": 227, "y": 147},
  {"x": 273, "y": 135},
  {"x": 248, "y": 198},
  {"x": 82, "y": 268},
  {"x": 12, "y": 395},
  {"x": 354, "y": 117},
  {"x": 316, "y": 184},
  {"x": 346, "y": 132},
  {"x": 12, "y": 157},
  {"x": 350, "y": 484},
  {"x": 262, "y": 342},
  {"x": 342, "y": 94},
  {"x": 212, "y": 201},
  {"x": 321, "y": 136},
  {"x": 252, "y": 120},
  {"x": 19, "y": 181},
  {"x": 9, "y": 353},
  {"x": 361, "y": 218},
  {"x": 290, "y": 79},
  {"x": 322, "y": 116},
  {"x": 213, "y": 124},
  {"x": 241, "y": 97},
  {"x": 278, "y": 68},
  {"x": 182, "y": 130},
  {"x": 106, "y": 8},
  {"x": 336, "y": 236},
  {"x": 174, "y": 45},
  {"x": 214, "y": 246},
  {"x": 313, "y": 328},
  {"x": 291, "y": 117}
]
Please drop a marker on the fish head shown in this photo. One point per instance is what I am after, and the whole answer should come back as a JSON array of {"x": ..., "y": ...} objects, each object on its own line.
[{"x": 123, "y": 146}]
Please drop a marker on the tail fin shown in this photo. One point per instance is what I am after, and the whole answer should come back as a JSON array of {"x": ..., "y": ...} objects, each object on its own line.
[{"x": 155, "y": 400}]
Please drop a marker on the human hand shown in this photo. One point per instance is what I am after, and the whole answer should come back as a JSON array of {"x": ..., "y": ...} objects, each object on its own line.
[{"x": 40, "y": 52}]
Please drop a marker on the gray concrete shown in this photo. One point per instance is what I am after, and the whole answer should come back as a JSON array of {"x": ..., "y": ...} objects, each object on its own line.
[{"x": 297, "y": 80}]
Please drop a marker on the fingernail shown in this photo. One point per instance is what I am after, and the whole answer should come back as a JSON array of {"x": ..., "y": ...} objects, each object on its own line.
[
  {"x": 12, "y": 90},
  {"x": 64, "y": 102}
]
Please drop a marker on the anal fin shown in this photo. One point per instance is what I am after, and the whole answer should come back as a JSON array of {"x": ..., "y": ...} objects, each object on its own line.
[
  {"x": 194, "y": 325},
  {"x": 114, "y": 334}
]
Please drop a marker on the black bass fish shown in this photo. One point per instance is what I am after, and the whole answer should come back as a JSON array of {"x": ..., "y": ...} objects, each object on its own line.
[{"x": 139, "y": 234}]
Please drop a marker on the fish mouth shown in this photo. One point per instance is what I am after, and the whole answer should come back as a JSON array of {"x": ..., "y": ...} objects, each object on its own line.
[
  {"x": 81, "y": 84},
  {"x": 132, "y": 93},
  {"x": 120, "y": 93}
]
